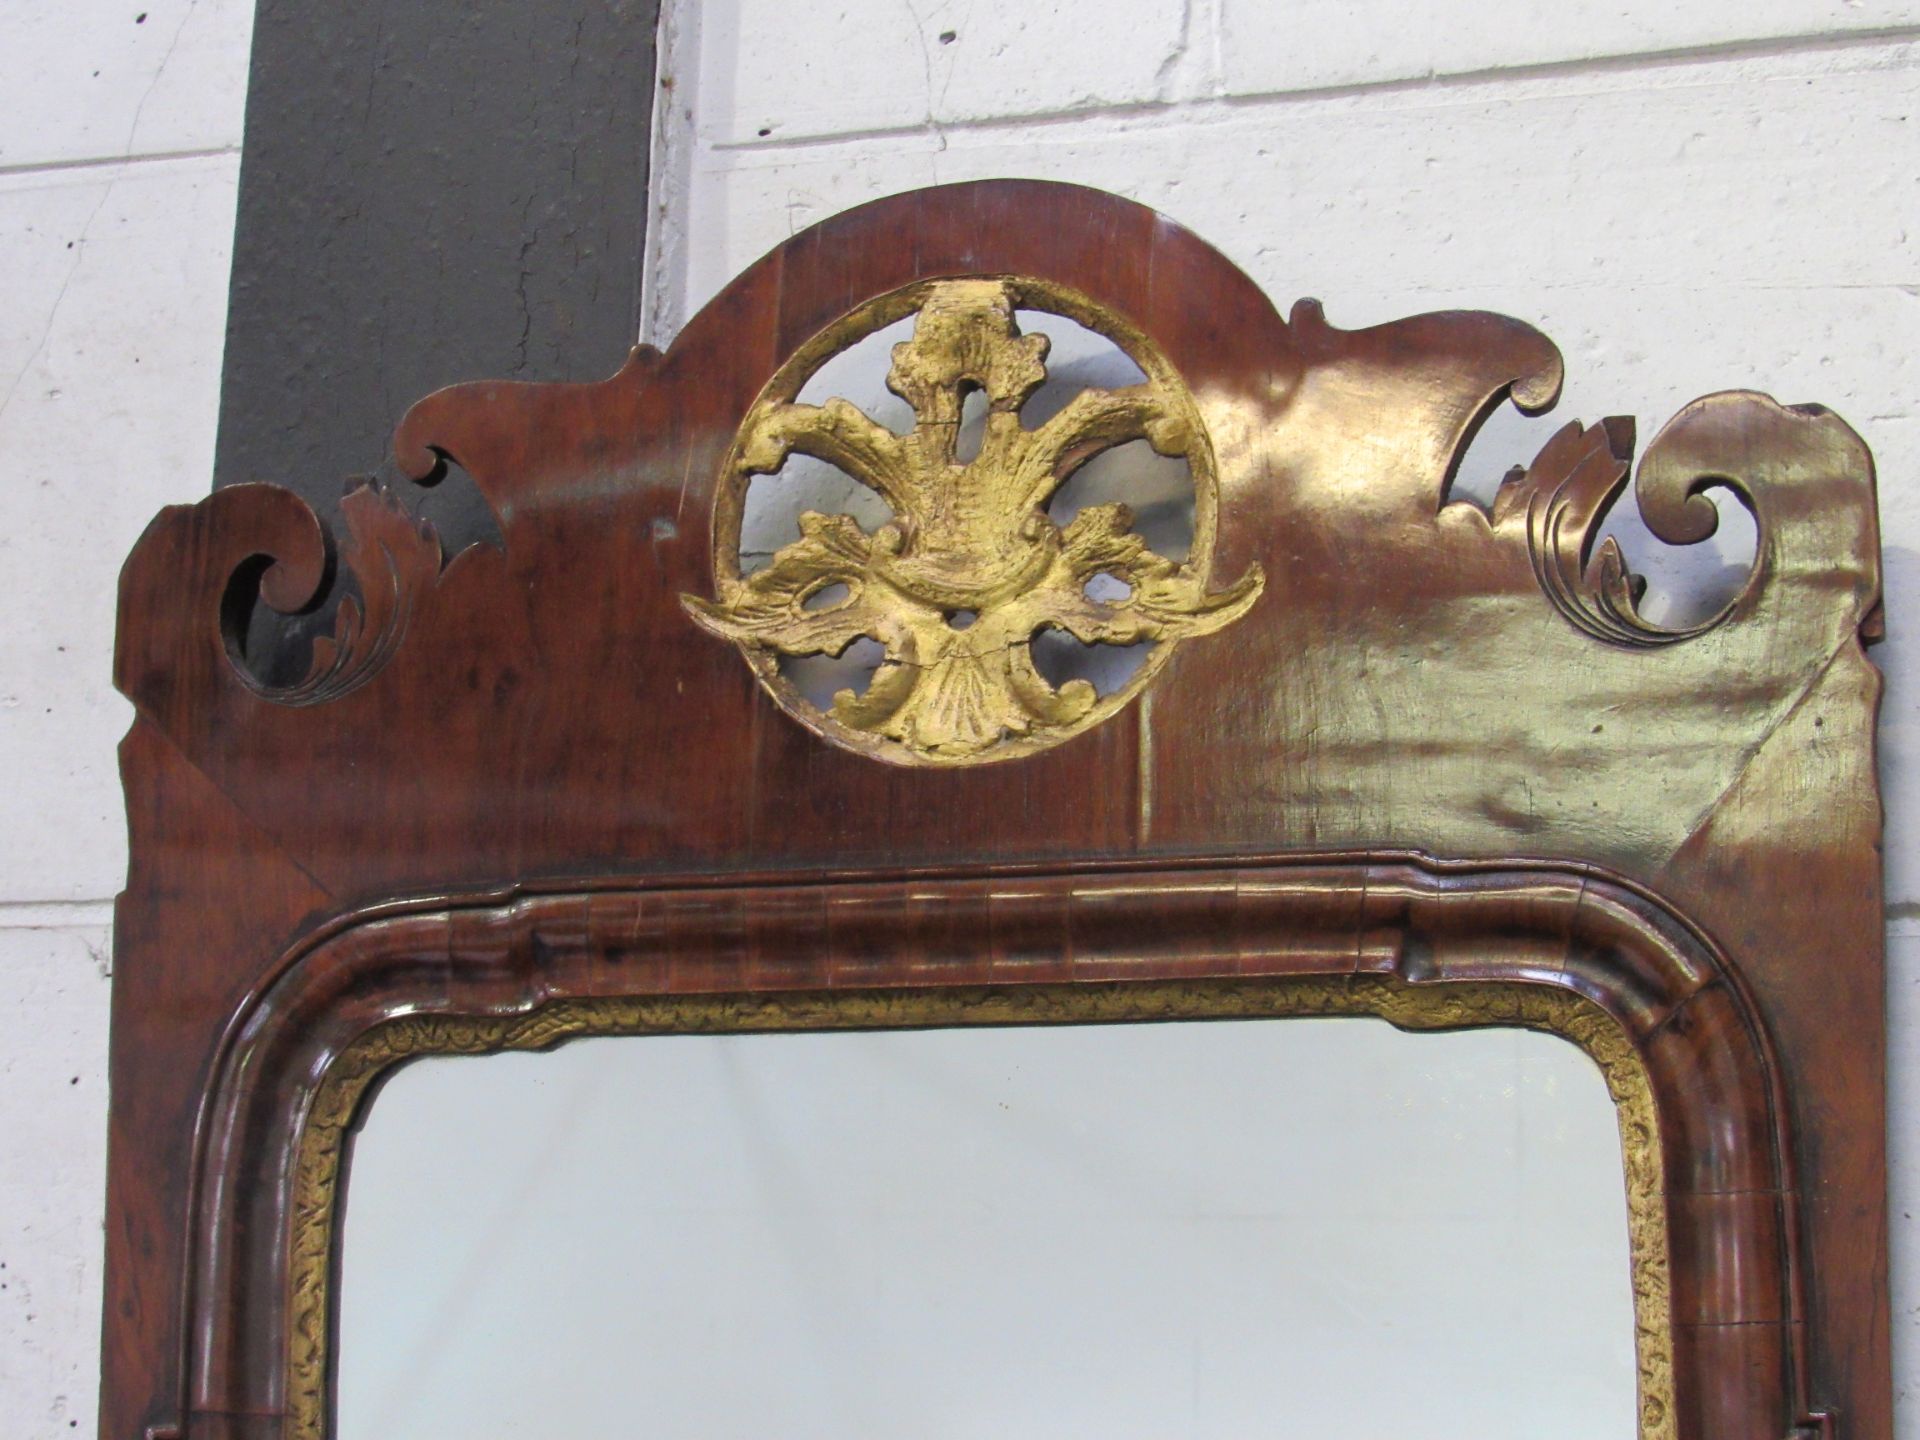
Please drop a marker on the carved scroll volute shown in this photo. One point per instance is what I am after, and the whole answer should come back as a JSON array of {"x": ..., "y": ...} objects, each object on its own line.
[
  {"x": 394, "y": 559},
  {"x": 245, "y": 541},
  {"x": 970, "y": 568},
  {"x": 1801, "y": 470},
  {"x": 251, "y": 544}
]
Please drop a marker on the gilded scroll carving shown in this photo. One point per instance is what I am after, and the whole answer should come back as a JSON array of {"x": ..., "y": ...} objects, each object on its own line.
[{"x": 970, "y": 568}]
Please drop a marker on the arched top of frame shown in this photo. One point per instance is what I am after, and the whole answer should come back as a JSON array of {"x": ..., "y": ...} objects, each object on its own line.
[{"x": 1401, "y": 668}]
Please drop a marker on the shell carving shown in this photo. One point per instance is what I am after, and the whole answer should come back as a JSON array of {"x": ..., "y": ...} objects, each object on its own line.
[{"x": 969, "y": 568}]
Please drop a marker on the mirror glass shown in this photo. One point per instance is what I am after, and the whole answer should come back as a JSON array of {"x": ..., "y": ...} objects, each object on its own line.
[{"x": 1189, "y": 1229}]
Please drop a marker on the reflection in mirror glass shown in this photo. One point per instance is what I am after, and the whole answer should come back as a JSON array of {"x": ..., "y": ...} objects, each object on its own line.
[{"x": 1198, "y": 1229}]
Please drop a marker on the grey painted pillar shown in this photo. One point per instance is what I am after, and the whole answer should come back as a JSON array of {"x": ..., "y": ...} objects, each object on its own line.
[{"x": 430, "y": 191}]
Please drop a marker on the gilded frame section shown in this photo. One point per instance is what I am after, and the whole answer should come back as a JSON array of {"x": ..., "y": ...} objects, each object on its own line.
[{"x": 350, "y": 1084}]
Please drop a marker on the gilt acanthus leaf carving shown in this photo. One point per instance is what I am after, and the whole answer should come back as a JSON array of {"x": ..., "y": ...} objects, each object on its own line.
[{"x": 970, "y": 567}]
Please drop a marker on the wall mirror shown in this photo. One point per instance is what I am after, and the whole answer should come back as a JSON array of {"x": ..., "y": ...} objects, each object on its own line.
[
  {"x": 1123, "y": 1230},
  {"x": 1006, "y": 842}
]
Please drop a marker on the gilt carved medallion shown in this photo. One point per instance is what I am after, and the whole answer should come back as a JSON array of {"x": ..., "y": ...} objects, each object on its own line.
[{"x": 969, "y": 568}]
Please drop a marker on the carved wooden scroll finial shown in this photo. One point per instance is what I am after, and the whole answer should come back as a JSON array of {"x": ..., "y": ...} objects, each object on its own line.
[
  {"x": 970, "y": 568},
  {"x": 394, "y": 559}
]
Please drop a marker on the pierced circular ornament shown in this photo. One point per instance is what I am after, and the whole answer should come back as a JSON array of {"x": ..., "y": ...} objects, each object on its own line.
[{"x": 969, "y": 568}]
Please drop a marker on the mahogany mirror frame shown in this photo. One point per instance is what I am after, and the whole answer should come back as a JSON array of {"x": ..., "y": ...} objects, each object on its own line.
[{"x": 1392, "y": 754}]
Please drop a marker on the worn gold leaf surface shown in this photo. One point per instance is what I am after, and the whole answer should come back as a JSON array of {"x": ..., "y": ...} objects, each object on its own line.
[{"x": 970, "y": 567}]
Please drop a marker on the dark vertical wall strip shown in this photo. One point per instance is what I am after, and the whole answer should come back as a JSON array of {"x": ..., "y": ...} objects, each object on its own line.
[{"x": 430, "y": 191}]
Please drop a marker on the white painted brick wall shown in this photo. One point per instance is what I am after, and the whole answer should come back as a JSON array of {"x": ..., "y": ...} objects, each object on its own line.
[
  {"x": 1685, "y": 196},
  {"x": 119, "y": 155}
]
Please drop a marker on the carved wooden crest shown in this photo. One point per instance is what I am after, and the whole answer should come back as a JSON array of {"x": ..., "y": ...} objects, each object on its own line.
[
  {"x": 1393, "y": 754},
  {"x": 970, "y": 568}
]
